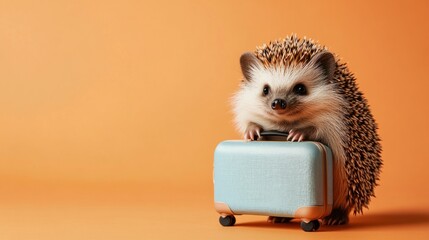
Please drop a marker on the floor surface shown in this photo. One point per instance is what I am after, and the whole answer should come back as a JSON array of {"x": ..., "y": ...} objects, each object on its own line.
[{"x": 120, "y": 212}]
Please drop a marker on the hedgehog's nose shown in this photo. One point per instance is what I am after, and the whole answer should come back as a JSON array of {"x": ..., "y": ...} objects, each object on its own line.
[{"x": 278, "y": 104}]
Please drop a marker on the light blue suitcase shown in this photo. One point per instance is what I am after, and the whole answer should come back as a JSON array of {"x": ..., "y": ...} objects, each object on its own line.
[{"x": 273, "y": 178}]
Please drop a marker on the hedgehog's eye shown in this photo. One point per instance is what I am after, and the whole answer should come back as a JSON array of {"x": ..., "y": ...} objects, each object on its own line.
[
  {"x": 300, "y": 89},
  {"x": 266, "y": 90}
]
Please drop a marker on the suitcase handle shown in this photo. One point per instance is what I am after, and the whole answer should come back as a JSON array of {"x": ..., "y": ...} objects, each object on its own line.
[
  {"x": 274, "y": 133},
  {"x": 273, "y": 136}
]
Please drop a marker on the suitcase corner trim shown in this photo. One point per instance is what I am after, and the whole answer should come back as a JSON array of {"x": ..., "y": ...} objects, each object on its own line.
[
  {"x": 312, "y": 212},
  {"x": 223, "y": 209}
]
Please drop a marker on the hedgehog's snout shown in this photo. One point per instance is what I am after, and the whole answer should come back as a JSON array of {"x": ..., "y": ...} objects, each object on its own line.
[{"x": 278, "y": 104}]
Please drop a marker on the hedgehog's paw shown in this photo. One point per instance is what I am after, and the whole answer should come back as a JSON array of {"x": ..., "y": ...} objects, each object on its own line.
[
  {"x": 253, "y": 132},
  {"x": 276, "y": 220},
  {"x": 295, "y": 135},
  {"x": 338, "y": 216}
]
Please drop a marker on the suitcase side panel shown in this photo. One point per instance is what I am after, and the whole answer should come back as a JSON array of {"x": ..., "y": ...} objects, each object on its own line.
[
  {"x": 308, "y": 213},
  {"x": 329, "y": 176},
  {"x": 269, "y": 178}
]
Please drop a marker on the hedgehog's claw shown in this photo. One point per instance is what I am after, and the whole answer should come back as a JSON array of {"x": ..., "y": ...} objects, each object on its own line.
[
  {"x": 253, "y": 132},
  {"x": 295, "y": 136}
]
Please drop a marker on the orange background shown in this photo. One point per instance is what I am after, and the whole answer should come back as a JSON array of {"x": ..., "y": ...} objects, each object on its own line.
[{"x": 110, "y": 112}]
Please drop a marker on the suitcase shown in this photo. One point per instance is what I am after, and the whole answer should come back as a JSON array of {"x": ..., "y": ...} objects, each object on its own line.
[{"x": 273, "y": 178}]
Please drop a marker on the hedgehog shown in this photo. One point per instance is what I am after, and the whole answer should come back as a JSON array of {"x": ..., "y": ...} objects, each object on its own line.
[{"x": 297, "y": 85}]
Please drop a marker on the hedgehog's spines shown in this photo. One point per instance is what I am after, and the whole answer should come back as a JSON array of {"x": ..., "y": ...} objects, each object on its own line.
[{"x": 362, "y": 149}]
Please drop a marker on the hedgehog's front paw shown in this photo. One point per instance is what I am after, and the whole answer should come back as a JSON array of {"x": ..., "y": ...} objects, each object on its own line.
[
  {"x": 338, "y": 216},
  {"x": 253, "y": 132},
  {"x": 295, "y": 135}
]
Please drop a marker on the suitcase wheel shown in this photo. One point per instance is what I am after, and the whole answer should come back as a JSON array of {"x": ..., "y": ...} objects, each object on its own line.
[
  {"x": 310, "y": 226},
  {"x": 227, "y": 221}
]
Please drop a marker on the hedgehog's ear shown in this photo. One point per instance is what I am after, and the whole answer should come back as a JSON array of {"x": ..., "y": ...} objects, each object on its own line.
[
  {"x": 325, "y": 61},
  {"x": 248, "y": 61}
]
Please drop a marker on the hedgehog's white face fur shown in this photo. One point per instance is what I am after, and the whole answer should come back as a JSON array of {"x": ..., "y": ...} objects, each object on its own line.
[{"x": 289, "y": 97}]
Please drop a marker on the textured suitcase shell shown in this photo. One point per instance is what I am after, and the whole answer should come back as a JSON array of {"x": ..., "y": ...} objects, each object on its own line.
[{"x": 273, "y": 178}]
